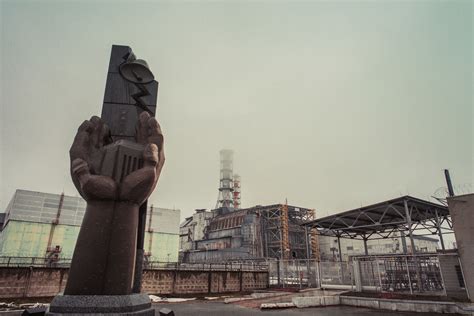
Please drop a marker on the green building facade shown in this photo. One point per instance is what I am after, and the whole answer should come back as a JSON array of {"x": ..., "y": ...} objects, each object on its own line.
[{"x": 42, "y": 225}]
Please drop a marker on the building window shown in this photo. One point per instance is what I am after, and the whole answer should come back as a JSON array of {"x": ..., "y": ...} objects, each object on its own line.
[{"x": 350, "y": 248}]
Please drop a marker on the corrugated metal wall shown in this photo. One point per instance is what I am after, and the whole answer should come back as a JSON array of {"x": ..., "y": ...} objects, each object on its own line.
[
  {"x": 162, "y": 245},
  {"x": 29, "y": 222},
  {"x": 27, "y": 239},
  {"x": 24, "y": 239}
]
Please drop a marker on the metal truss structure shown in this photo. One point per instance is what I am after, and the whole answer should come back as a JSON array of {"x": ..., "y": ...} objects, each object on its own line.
[
  {"x": 281, "y": 231},
  {"x": 405, "y": 214}
]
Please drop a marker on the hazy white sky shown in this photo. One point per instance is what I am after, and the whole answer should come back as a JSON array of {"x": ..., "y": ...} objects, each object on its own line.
[{"x": 331, "y": 105}]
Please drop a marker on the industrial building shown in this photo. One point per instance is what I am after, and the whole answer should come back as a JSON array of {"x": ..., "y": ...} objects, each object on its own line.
[
  {"x": 329, "y": 249},
  {"x": 42, "y": 225},
  {"x": 193, "y": 228},
  {"x": 272, "y": 231},
  {"x": 230, "y": 233}
]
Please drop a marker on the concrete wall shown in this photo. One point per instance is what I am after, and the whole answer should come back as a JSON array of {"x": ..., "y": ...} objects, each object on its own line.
[
  {"x": 218, "y": 256},
  {"x": 217, "y": 243},
  {"x": 461, "y": 209},
  {"x": 29, "y": 282},
  {"x": 449, "y": 265},
  {"x": 201, "y": 282},
  {"x": 46, "y": 282}
]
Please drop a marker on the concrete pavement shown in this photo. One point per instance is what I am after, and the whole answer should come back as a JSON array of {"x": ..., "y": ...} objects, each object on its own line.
[{"x": 202, "y": 308}]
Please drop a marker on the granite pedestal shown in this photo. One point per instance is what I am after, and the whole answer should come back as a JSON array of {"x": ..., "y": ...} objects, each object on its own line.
[{"x": 107, "y": 305}]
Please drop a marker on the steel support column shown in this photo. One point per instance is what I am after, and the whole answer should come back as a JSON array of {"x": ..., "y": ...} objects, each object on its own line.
[
  {"x": 404, "y": 242},
  {"x": 339, "y": 247},
  {"x": 308, "y": 251},
  {"x": 366, "y": 250},
  {"x": 438, "y": 227},
  {"x": 410, "y": 231}
]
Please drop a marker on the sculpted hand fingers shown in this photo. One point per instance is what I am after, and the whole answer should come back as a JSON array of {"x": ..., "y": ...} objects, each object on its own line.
[
  {"x": 161, "y": 159},
  {"x": 104, "y": 135},
  {"x": 79, "y": 166},
  {"x": 150, "y": 155},
  {"x": 96, "y": 133},
  {"x": 79, "y": 171},
  {"x": 86, "y": 126},
  {"x": 95, "y": 119},
  {"x": 81, "y": 141},
  {"x": 142, "y": 128},
  {"x": 156, "y": 137},
  {"x": 96, "y": 187}
]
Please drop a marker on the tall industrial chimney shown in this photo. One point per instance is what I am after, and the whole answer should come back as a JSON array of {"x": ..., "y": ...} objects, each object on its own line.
[{"x": 225, "y": 198}]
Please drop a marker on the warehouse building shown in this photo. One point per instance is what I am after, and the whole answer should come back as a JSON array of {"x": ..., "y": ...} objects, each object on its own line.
[{"x": 38, "y": 224}]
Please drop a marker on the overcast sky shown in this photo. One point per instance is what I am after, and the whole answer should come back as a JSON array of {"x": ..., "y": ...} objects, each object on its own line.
[{"x": 332, "y": 105}]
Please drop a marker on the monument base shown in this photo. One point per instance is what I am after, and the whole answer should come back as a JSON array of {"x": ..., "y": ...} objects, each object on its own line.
[{"x": 95, "y": 305}]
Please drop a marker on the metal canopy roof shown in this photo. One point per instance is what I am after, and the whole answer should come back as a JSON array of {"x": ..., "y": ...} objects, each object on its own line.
[{"x": 380, "y": 220}]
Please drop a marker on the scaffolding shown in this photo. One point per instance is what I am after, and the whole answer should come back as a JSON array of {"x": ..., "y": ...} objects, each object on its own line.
[
  {"x": 282, "y": 234},
  {"x": 150, "y": 231}
]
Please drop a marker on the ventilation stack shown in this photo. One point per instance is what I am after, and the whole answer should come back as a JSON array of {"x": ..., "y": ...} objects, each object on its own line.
[
  {"x": 236, "y": 187},
  {"x": 226, "y": 189}
]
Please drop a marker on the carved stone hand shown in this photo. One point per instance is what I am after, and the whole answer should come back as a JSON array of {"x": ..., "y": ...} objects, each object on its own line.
[{"x": 86, "y": 154}]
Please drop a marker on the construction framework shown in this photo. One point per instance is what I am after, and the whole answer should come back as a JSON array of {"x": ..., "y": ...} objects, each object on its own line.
[
  {"x": 405, "y": 214},
  {"x": 282, "y": 234}
]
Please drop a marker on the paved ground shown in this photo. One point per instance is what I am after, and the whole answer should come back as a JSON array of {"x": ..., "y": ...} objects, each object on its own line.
[{"x": 200, "y": 308}]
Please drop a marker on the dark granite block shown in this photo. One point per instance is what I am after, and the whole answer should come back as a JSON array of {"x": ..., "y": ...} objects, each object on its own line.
[{"x": 91, "y": 305}]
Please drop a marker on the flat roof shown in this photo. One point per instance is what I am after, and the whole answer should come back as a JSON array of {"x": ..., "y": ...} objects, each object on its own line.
[{"x": 381, "y": 219}]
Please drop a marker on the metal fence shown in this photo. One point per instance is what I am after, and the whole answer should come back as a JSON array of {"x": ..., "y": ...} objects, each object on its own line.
[
  {"x": 227, "y": 266},
  {"x": 309, "y": 273},
  {"x": 12, "y": 262},
  {"x": 400, "y": 274},
  {"x": 41, "y": 262},
  {"x": 336, "y": 273},
  {"x": 419, "y": 274},
  {"x": 414, "y": 274},
  {"x": 293, "y": 273}
]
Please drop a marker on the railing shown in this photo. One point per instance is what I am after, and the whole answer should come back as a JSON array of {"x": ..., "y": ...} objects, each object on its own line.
[
  {"x": 41, "y": 262},
  {"x": 34, "y": 262},
  {"x": 230, "y": 266},
  {"x": 310, "y": 273},
  {"x": 405, "y": 274},
  {"x": 296, "y": 273}
]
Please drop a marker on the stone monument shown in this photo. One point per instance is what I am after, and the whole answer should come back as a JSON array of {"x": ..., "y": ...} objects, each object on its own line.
[{"x": 116, "y": 161}]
